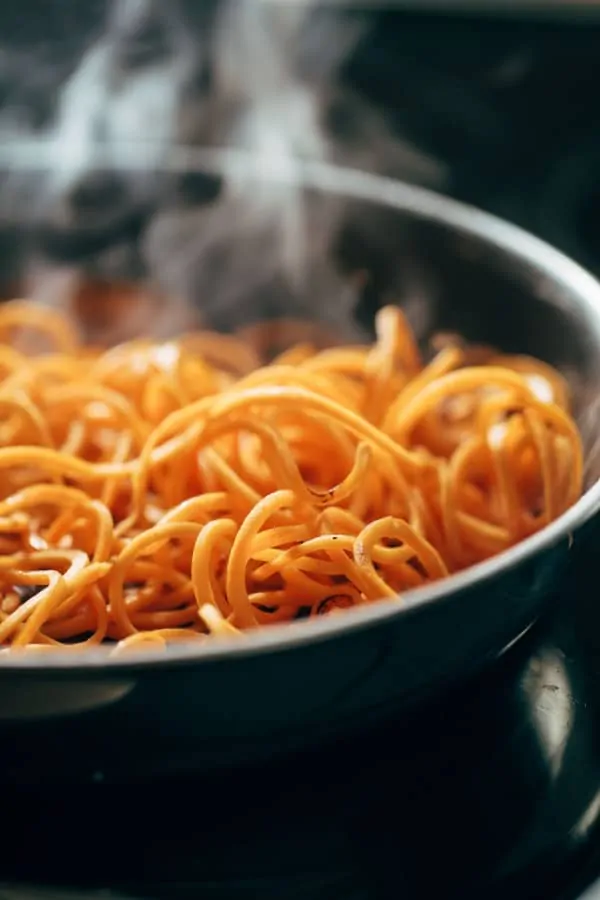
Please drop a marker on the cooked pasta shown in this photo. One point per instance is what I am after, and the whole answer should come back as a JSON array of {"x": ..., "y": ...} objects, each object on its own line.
[{"x": 182, "y": 491}]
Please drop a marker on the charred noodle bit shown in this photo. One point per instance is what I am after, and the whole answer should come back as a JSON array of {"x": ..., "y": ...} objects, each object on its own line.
[{"x": 157, "y": 493}]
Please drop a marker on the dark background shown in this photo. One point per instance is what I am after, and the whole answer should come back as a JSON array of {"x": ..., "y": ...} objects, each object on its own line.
[{"x": 508, "y": 102}]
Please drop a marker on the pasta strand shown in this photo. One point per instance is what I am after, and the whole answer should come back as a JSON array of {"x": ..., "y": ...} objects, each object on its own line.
[{"x": 188, "y": 491}]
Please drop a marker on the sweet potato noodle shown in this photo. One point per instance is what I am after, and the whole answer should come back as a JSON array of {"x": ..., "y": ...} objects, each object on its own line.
[{"x": 181, "y": 491}]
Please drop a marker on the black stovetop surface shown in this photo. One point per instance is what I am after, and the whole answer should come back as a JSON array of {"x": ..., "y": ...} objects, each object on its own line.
[{"x": 493, "y": 790}]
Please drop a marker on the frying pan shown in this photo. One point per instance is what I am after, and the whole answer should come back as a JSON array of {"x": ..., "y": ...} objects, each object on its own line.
[{"x": 90, "y": 716}]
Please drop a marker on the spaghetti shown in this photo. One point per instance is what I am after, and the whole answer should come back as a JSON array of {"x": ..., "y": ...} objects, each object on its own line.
[{"x": 181, "y": 491}]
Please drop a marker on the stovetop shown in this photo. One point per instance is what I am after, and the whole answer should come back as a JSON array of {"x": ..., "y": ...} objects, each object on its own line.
[{"x": 493, "y": 790}]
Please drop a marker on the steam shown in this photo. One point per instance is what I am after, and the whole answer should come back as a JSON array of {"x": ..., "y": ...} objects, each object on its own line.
[
  {"x": 266, "y": 246},
  {"x": 228, "y": 249}
]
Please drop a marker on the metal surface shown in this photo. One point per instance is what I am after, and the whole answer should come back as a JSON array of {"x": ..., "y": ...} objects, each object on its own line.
[
  {"x": 483, "y": 278},
  {"x": 593, "y": 893},
  {"x": 489, "y": 791}
]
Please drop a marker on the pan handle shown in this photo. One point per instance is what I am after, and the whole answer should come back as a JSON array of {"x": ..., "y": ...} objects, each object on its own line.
[{"x": 25, "y": 699}]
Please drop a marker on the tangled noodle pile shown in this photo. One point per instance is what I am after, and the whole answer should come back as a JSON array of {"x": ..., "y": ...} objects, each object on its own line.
[{"x": 180, "y": 491}]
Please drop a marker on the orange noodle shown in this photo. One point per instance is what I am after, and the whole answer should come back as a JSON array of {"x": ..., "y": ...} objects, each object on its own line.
[{"x": 186, "y": 491}]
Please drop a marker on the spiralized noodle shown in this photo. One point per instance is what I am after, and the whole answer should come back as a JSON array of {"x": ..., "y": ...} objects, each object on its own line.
[{"x": 155, "y": 493}]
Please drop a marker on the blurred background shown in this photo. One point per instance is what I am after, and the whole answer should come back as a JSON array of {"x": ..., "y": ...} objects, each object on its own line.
[{"x": 494, "y": 103}]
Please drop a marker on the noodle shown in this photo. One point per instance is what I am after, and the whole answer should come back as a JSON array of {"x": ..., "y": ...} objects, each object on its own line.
[{"x": 157, "y": 493}]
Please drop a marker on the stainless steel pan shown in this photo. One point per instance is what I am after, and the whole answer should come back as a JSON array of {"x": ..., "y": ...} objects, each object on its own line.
[{"x": 91, "y": 716}]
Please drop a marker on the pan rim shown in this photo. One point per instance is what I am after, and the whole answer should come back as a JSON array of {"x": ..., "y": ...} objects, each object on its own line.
[{"x": 426, "y": 205}]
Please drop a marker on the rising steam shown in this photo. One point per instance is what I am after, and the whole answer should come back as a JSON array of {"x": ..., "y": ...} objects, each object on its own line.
[{"x": 227, "y": 248}]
